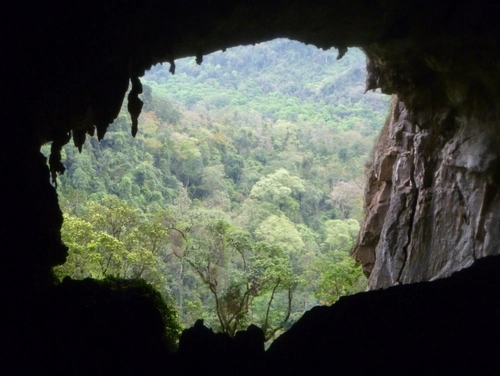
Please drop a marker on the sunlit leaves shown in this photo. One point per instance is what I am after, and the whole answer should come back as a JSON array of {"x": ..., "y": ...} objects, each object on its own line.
[
  {"x": 280, "y": 232},
  {"x": 110, "y": 241},
  {"x": 339, "y": 276},
  {"x": 278, "y": 186},
  {"x": 341, "y": 234},
  {"x": 243, "y": 172}
]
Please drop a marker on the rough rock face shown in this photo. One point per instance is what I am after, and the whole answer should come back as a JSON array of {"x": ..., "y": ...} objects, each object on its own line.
[
  {"x": 66, "y": 75},
  {"x": 431, "y": 198}
]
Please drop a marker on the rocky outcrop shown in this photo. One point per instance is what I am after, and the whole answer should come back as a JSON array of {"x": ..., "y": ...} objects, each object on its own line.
[
  {"x": 86, "y": 327},
  {"x": 431, "y": 198},
  {"x": 67, "y": 73},
  {"x": 444, "y": 327}
]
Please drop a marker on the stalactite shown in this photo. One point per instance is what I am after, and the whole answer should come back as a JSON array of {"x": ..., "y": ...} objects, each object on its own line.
[
  {"x": 55, "y": 164},
  {"x": 134, "y": 103}
]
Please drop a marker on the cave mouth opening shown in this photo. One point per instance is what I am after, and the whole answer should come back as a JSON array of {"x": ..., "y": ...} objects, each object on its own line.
[
  {"x": 441, "y": 61},
  {"x": 247, "y": 163}
]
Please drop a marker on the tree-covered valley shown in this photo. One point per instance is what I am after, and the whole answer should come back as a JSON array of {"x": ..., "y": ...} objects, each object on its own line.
[{"x": 241, "y": 195}]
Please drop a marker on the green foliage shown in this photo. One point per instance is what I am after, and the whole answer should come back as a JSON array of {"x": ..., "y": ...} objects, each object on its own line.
[
  {"x": 346, "y": 198},
  {"x": 240, "y": 191},
  {"x": 338, "y": 276},
  {"x": 109, "y": 240},
  {"x": 82, "y": 240},
  {"x": 282, "y": 233},
  {"x": 236, "y": 270},
  {"x": 341, "y": 234}
]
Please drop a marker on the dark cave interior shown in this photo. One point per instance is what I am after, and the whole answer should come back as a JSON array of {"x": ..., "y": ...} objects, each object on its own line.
[{"x": 66, "y": 71}]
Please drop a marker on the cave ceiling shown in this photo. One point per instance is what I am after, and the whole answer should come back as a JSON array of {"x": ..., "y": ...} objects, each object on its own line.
[{"x": 71, "y": 63}]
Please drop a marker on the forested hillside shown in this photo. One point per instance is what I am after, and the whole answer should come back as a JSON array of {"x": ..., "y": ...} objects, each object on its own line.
[{"x": 240, "y": 196}]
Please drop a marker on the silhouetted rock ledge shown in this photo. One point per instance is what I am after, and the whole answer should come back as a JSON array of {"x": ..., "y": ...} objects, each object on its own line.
[
  {"x": 201, "y": 351},
  {"x": 448, "y": 326},
  {"x": 67, "y": 69}
]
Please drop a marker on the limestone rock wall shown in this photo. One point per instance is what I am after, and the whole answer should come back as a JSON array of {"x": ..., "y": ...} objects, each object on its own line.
[{"x": 431, "y": 198}]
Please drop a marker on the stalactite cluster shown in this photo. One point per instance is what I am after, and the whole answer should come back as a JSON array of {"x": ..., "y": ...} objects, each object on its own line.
[{"x": 433, "y": 190}]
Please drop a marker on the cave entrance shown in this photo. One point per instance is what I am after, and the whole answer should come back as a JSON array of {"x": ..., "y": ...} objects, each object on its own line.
[{"x": 241, "y": 195}]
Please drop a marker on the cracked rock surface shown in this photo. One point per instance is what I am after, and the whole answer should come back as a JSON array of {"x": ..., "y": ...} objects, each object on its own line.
[{"x": 430, "y": 200}]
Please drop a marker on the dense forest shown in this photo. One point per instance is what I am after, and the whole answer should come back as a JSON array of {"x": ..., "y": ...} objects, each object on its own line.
[{"x": 241, "y": 194}]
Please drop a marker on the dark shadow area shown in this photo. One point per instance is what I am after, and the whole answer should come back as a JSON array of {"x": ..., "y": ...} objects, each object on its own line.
[
  {"x": 449, "y": 326},
  {"x": 86, "y": 327},
  {"x": 66, "y": 69}
]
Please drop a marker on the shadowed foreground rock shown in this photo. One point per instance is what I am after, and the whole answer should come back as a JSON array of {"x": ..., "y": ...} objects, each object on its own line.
[
  {"x": 201, "y": 351},
  {"x": 448, "y": 326},
  {"x": 88, "y": 327},
  {"x": 66, "y": 71}
]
